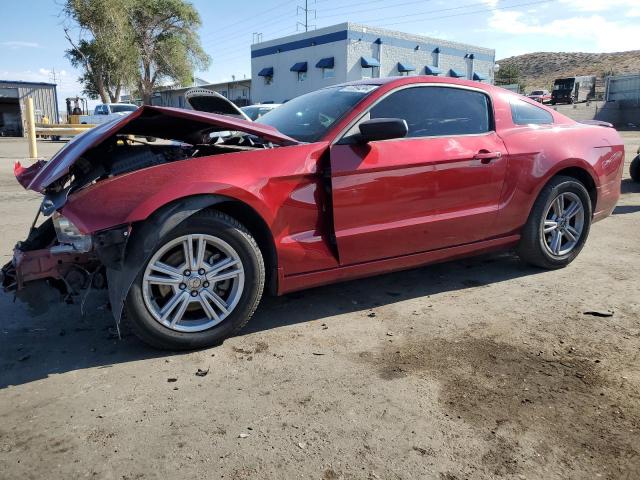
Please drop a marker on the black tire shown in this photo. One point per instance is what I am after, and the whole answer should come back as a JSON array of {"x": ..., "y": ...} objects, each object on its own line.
[
  {"x": 532, "y": 248},
  {"x": 226, "y": 228},
  {"x": 634, "y": 169}
]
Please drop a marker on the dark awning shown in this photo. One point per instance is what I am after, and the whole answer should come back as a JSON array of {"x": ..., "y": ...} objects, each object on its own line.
[
  {"x": 456, "y": 73},
  {"x": 368, "y": 62},
  {"x": 325, "y": 63},
  {"x": 266, "y": 72},
  {"x": 431, "y": 70},
  {"x": 479, "y": 77},
  {"x": 405, "y": 67},
  {"x": 299, "y": 67}
]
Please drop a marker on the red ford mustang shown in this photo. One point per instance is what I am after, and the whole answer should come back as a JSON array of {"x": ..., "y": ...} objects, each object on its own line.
[{"x": 352, "y": 180}]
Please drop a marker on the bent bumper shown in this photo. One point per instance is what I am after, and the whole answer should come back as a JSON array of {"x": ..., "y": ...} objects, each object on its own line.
[{"x": 28, "y": 266}]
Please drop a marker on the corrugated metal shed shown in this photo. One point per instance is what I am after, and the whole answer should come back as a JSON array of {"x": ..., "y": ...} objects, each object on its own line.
[
  {"x": 13, "y": 95},
  {"x": 624, "y": 89}
]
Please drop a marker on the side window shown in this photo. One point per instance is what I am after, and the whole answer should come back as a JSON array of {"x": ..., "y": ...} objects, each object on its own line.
[
  {"x": 437, "y": 111},
  {"x": 523, "y": 113}
]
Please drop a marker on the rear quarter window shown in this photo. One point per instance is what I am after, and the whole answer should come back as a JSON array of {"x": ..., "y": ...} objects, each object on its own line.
[{"x": 523, "y": 113}]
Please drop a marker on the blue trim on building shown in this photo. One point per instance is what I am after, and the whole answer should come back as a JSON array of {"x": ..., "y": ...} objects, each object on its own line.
[
  {"x": 431, "y": 70},
  {"x": 299, "y": 67},
  {"x": 405, "y": 67},
  {"x": 479, "y": 77},
  {"x": 266, "y": 72},
  {"x": 307, "y": 42},
  {"x": 369, "y": 62},
  {"x": 368, "y": 37},
  {"x": 326, "y": 63},
  {"x": 456, "y": 74}
]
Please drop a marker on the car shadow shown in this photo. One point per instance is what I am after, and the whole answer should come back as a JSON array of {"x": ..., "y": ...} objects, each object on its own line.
[
  {"x": 624, "y": 209},
  {"x": 629, "y": 186},
  {"x": 34, "y": 346}
]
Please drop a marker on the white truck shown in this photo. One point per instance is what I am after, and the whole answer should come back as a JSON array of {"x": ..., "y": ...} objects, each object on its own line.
[{"x": 105, "y": 112}]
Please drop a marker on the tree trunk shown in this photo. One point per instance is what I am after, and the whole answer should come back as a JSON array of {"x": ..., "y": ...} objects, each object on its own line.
[{"x": 115, "y": 96}]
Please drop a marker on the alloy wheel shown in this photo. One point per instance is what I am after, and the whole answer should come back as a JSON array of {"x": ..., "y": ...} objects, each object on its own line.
[
  {"x": 563, "y": 224},
  {"x": 193, "y": 282}
]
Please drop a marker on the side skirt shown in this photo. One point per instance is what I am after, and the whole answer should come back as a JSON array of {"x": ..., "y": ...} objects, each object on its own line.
[{"x": 301, "y": 281}]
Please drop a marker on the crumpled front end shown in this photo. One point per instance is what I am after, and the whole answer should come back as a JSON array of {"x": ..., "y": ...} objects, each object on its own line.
[
  {"x": 44, "y": 258},
  {"x": 57, "y": 254},
  {"x": 87, "y": 179}
]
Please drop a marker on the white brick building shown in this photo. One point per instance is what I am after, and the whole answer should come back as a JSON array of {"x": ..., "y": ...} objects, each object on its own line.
[{"x": 287, "y": 67}]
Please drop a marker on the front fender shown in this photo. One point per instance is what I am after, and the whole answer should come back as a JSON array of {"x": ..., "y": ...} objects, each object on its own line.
[
  {"x": 143, "y": 241},
  {"x": 134, "y": 197}
]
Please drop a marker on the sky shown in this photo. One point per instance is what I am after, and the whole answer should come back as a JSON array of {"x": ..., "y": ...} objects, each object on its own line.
[{"x": 32, "y": 42}]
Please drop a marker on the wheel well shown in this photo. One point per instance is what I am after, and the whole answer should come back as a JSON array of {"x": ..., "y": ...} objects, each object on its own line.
[
  {"x": 248, "y": 217},
  {"x": 586, "y": 179}
]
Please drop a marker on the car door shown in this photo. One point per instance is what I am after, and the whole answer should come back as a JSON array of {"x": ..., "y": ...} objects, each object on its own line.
[{"x": 438, "y": 187}]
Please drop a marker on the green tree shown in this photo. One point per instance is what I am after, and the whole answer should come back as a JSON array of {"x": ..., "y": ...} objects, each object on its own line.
[
  {"x": 507, "y": 74},
  {"x": 168, "y": 46},
  {"x": 104, "y": 47},
  {"x": 134, "y": 43}
]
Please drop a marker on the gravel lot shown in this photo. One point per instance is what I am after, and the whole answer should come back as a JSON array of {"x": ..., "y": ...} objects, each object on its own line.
[{"x": 482, "y": 368}]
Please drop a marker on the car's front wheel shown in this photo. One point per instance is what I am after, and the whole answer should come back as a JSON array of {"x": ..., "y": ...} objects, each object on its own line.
[
  {"x": 201, "y": 285},
  {"x": 558, "y": 224}
]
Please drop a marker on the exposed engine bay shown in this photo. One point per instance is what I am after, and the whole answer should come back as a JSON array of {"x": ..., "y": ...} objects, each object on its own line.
[
  {"x": 120, "y": 155},
  {"x": 127, "y": 153}
]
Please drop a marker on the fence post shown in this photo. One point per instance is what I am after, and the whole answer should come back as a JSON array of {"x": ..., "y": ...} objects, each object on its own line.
[{"x": 31, "y": 129}]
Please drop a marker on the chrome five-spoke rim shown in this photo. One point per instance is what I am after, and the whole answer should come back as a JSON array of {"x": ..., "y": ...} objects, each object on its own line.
[
  {"x": 563, "y": 224},
  {"x": 193, "y": 283}
]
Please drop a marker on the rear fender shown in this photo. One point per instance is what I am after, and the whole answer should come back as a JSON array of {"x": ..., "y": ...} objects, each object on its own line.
[{"x": 143, "y": 241}]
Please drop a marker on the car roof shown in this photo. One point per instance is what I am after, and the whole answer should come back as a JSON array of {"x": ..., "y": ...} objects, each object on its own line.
[{"x": 417, "y": 79}]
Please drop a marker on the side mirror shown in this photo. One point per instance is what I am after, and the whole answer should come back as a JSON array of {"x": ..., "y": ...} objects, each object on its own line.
[{"x": 383, "y": 129}]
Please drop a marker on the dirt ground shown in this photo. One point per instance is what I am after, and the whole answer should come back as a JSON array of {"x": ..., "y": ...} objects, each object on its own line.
[{"x": 475, "y": 369}]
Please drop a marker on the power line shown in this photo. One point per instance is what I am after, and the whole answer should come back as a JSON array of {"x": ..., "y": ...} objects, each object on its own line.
[
  {"x": 395, "y": 5},
  {"x": 252, "y": 17},
  {"x": 539, "y": 2},
  {"x": 414, "y": 14}
]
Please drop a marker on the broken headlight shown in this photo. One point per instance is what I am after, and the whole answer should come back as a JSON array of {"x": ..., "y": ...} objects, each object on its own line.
[{"x": 68, "y": 234}]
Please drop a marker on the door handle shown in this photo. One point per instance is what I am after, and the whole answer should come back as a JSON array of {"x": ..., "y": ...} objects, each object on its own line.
[{"x": 486, "y": 157}]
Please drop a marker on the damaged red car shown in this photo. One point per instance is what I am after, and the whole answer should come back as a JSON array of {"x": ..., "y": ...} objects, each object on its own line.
[{"x": 188, "y": 231}]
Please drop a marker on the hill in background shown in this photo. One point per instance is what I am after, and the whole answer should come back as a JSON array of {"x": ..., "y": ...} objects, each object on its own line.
[{"x": 540, "y": 69}]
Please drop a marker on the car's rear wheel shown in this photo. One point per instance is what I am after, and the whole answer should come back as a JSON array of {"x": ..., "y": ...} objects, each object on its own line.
[
  {"x": 558, "y": 224},
  {"x": 634, "y": 169},
  {"x": 201, "y": 285}
]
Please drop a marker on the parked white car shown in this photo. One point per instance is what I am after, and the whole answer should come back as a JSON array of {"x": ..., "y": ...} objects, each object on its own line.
[
  {"x": 105, "y": 112},
  {"x": 254, "y": 112}
]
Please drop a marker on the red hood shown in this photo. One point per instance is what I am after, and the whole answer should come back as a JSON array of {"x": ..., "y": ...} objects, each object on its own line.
[{"x": 146, "y": 121}]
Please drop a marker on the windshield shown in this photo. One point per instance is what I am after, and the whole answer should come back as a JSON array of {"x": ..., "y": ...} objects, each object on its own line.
[
  {"x": 255, "y": 113},
  {"x": 564, "y": 84},
  {"x": 309, "y": 117},
  {"x": 123, "y": 108}
]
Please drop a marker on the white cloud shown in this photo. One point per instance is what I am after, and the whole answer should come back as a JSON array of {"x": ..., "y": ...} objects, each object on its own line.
[
  {"x": 19, "y": 44},
  {"x": 594, "y": 31},
  {"x": 599, "y": 5}
]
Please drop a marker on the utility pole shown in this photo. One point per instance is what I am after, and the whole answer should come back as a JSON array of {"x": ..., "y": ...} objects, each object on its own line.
[
  {"x": 52, "y": 75},
  {"x": 306, "y": 10}
]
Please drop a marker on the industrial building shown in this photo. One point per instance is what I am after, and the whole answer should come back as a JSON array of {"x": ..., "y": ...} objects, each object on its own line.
[
  {"x": 13, "y": 95},
  {"x": 238, "y": 91},
  {"x": 287, "y": 67}
]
